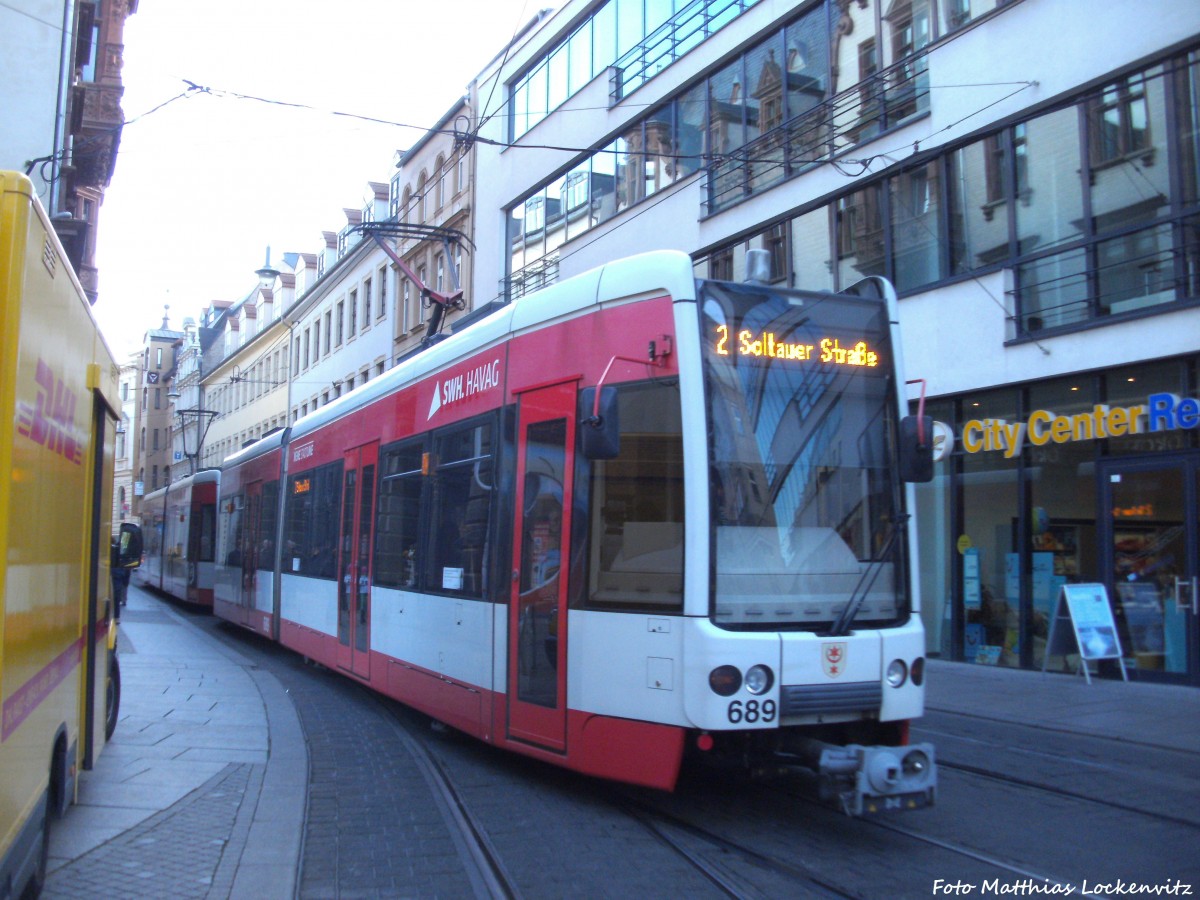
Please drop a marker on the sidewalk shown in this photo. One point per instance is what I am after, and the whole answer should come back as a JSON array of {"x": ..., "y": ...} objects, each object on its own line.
[
  {"x": 1143, "y": 712},
  {"x": 202, "y": 790}
]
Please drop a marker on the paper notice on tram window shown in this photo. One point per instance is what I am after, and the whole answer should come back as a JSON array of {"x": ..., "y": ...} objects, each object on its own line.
[
  {"x": 452, "y": 579},
  {"x": 295, "y": 564}
]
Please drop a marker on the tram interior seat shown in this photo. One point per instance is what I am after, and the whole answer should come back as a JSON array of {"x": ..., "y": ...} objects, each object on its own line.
[
  {"x": 648, "y": 569},
  {"x": 802, "y": 575}
]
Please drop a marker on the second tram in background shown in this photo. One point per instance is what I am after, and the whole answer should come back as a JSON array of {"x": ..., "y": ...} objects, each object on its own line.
[
  {"x": 179, "y": 524},
  {"x": 627, "y": 517}
]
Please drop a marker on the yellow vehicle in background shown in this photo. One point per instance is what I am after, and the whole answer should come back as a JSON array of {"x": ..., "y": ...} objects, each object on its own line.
[{"x": 59, "y": 676}]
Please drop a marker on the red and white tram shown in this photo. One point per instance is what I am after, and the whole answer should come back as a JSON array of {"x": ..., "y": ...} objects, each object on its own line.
[
  {"x": 179, "y": 523},
  {"x": 627, "y": 516}
]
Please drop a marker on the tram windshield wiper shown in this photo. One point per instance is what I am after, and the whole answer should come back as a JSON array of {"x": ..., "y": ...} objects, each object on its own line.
[{"x": 866, "y": 581}]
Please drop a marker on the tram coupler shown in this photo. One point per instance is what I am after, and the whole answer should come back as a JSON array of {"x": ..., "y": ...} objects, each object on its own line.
[{"x": 866, "y": 780}]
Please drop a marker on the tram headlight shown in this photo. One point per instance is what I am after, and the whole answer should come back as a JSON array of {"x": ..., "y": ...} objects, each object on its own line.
[
  {"x": 897, "y": 673},
  {"x": 916, "y": 764},
  {"x": 917, "y": 673},
  {"x": 725, "y": 680},
  {"x": 759, "y": 679}
]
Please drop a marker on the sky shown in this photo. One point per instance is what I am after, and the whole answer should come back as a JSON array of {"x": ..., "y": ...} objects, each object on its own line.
[{"x": 206, "y": 181}]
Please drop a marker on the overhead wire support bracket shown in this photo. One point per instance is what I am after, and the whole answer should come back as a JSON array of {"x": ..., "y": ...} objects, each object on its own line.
[{"x": 449, "y": 237}]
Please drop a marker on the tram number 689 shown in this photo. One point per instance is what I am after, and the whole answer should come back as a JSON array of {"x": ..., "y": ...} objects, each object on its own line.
[{"x": 751, "y": 711}]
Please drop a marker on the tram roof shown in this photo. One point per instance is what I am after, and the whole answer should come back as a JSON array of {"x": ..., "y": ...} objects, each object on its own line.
[{"x": 648, "y": 274}]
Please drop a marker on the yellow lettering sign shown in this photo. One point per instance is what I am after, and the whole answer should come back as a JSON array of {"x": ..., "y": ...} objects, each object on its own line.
[{"x": 766, "y": 345}]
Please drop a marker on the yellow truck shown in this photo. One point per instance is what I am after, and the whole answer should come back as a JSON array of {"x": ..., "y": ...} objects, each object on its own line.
[{"x": 59, "y": 676}]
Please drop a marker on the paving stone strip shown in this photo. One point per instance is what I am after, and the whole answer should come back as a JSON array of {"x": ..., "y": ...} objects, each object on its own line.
[{"x": 179, "y": 852}]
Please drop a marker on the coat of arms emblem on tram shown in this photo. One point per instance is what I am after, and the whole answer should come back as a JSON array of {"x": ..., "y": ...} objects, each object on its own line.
[{"x": 833, "y": 658}]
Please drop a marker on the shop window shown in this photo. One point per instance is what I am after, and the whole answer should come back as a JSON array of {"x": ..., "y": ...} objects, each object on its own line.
[
  {"x": 990, "y": 501},
  {"x": 1062, "y": 526},
  {"x": 1130, "y": 386}
]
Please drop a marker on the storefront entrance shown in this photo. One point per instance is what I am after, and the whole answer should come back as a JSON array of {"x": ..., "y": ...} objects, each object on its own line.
[{"x": 1148, "y": 532}]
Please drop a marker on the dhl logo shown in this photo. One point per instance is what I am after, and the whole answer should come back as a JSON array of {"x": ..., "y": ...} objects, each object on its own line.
[{"x": 50, "y": 421}]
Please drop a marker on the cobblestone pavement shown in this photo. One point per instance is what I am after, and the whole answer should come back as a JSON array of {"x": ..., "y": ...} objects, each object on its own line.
[
  {"x": 374, "y": 827},
  {"x": 181, "y": 850}
]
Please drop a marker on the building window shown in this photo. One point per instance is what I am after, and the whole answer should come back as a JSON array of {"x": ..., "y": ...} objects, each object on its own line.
[
  {"x": 341, "y": 316},
  {"x": 383, "y": 282},
  {"x": 916, "y": 239},
  {"x": 720, "y": 265},
  {"x": 328, "y": 329},
  {"x": 1120, "y": 124},
  {"x": 860, "y": 235},
  {"x": 353, "y": 310},
  {"x": 367, "y": 303},
  {"x": 317, "y": 339},
  {"x": 423, "y": 277}
]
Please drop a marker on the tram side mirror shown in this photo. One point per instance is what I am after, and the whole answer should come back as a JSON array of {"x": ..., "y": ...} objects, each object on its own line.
[
  {"x": 600, "y": 431},
  {"x": 129, "y": 546},
  {"x": 916, "y": 449}
]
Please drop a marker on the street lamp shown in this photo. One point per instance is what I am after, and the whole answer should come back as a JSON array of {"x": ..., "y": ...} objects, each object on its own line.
[{"x": 201, "y": 418}]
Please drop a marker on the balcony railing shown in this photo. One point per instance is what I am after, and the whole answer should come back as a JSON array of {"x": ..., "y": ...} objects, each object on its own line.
[
  {"x": 679, "y": 35},
  {"x": 816, "y": 135},
  {"x": 532, "y": 277},
  {"x": 1117, "y": 276}
]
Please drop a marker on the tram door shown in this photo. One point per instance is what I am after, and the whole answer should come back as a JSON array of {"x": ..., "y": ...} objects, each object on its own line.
[
  {"x": 354, "y": 560},
  {"x": 1150, "y": 545},
  {"x": 250, "y": 543},
  {"x": 537, "y": 624}
]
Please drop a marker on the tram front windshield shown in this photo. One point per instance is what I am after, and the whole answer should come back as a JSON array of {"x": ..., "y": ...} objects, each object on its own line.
[{"x": 801, "y": 402}]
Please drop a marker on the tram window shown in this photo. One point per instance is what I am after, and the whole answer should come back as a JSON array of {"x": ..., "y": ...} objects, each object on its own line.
[
  {"x": 229, "y": 534},
  {"x": 635, "y": 508},
  {"x": 397, "y": 531},
  {"x": 207, "y": 533},
  {"x": 461, "y": 510},
  {"x": 311, "y": 533},
  {"x": 268, "y": 515}
]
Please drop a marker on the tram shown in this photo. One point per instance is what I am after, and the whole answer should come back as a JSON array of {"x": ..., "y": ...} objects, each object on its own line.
[
  {"x": 630, "y": 517},
  {"x": 180, "y": 527},
  {"x": 59, "y": 411}
]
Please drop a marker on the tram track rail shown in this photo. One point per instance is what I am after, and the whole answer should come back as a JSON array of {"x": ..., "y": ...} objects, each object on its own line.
[
  {"x": 1002, "y": 778},
  {"x": 668, "y": 828},
  {"x": 484, "y": 862}
]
